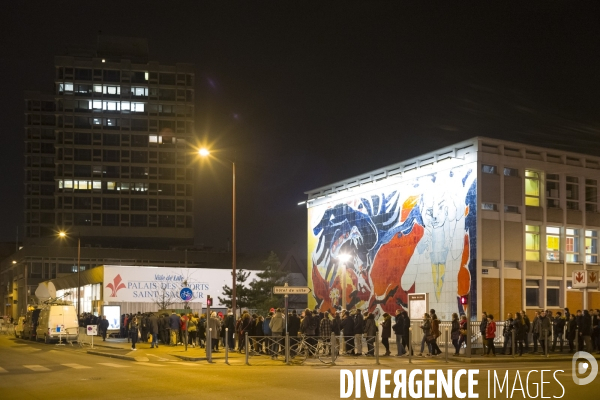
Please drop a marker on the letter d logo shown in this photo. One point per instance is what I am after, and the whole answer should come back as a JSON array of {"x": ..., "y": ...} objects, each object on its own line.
[{"x": 583, "y": 366}]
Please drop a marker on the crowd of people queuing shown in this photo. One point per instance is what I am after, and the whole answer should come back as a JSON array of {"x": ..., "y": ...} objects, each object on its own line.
[{"x": 359, "y": 329}]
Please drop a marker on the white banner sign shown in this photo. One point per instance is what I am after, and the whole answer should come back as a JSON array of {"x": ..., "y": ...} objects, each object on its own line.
[{"x": 151, "y": 284}]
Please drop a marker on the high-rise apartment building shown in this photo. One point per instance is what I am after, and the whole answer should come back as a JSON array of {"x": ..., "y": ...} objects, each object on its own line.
[{"x": 108, "y": 154}]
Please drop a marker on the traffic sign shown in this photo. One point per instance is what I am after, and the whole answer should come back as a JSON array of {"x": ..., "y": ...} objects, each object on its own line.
[{"x": 291, "y": 290}]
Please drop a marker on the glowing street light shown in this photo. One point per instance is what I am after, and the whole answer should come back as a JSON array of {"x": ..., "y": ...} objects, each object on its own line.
[
  {"x": 62, "y": 235},
  {"x": 204, "y": 153}
]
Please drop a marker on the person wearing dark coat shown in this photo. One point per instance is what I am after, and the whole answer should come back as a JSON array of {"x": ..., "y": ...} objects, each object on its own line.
[
  {"x": 585, "y": 331},
  {"x": 347, "y": 326},
  {"x": 406, "y": 332},
  {"x": 174, "y": 322},
  {"x": 103, "y": 327},
  {"x": 520, "y": 329},
  {"x": 370, "y": 332},
  {"x": 152, "y": 323},
  {"x": 398, "y": 328},
  {"x": 386, "y": 332},
  {"x": 359, "y": 326}
]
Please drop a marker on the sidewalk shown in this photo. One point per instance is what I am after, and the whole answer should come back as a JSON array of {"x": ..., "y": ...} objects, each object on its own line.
[{"x": 119, "y": 348}]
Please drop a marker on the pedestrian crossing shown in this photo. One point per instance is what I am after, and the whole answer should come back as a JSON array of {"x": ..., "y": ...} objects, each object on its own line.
[{"x": 35, "y": 368}]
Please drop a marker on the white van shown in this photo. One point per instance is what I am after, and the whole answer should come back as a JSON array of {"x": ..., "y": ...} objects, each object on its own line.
[{"x": 56, "y": 321}]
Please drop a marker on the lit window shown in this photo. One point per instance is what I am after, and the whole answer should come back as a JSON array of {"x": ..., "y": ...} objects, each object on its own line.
[
  {"x": 97, "y": 121},
  {"x": 532, "y": 242},
  {"x": 137, "y": 107},
  {"x": 60, "y": 184},
  {"x": 97, "y": 88},
  {"x": 552, "y": 191},
  {"x": 591, "y": 195},
  {"x": 139, "y": 91},
  {"x": 125, "y": 186},
  {"x": 97, "y": 185},
  {"x": 552, "y": 244},
  {"x": 511, "y": 172},
  {"x": 111, "y": 185},
  {"x": 572, "y": 245},
  {"x": 145, "y": 75},
  {"x": 532, "y": 188},
  {"x": 591, "y": 247},
  {"x": 97, "y": 105},
  {"x": 488, "y": 169},
  {"x": 153, "y": 139},
  {"x": 68, "y": 87},
  {"x": 68, "y": 184},
  {"x": 125, "y": 106}
]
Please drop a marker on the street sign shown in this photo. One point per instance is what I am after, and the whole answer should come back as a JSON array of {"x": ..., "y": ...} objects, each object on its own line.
[
  {"x": 92, "y": 330},
  {"x": 585, "y": 279},
  {"x": 186, "y": 294},
  {"x": 291, "y": 290}
]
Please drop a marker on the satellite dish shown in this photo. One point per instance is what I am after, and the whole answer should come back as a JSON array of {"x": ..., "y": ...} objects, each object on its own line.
[{"x": 51, "y": 289}]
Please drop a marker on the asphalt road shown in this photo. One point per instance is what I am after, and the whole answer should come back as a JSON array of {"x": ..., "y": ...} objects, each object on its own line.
[{"x": 31, "y": 370}]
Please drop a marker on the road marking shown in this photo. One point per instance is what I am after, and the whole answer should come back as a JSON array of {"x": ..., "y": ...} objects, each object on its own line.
[
  {"x": 76, "y": 366},
  {"x": 37, "y": 368},
  {"x": 183, "y": 363},
  {"x": 159, "y": 358},
  {"x": 114, "y": 365},
  {"x": 2, "y": 370},
  {"x": 149, "y": 364}
]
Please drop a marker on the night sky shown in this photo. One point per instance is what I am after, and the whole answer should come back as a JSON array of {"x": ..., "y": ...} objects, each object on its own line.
[{"x": 303, "y": 95}]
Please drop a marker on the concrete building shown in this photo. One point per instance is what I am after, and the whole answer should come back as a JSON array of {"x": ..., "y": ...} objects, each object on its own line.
[
  {"x": 502, "y": 222},
  {"x": 107, "y": 154},
  {"x": 108, "y": 161}
]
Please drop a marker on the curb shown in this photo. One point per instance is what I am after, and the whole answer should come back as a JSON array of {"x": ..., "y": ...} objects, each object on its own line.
[
  {"x": 119, "y": 356},
  {"x": 186, "y": 358}
]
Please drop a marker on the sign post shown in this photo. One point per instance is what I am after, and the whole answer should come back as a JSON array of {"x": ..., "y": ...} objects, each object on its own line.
[
  {"x": 92, "y": 330},
  {"x": 291, "y": 289}
]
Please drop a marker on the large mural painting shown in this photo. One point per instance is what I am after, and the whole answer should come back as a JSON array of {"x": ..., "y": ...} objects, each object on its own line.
[{"x": 416, "y": 236}]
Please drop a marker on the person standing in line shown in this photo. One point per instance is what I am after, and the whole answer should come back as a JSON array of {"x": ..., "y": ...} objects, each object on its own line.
[
  {"x": 482, "y": 330},
  {"x": 134, "y": 331},
  {"x": 558, "y": 328},
  {"x": 336, "y": 329},
  {"x": 359, "y": 328},
  {"x": 386, "y": 332},
  {"x": 347, "y": 326},
  {"x": 398, "y": 329},
  {"x": 545, "y": 331},
  {"x": 214, "y": 323},
  {"x": 585, "y": 331},
  {"x": 277, "y": 325},
  {"x": 406, "y": 333},
  {"x": 103, "y": 327},
  {"x": 527, "y": 331},
  {"x": 518, "y": 326},
  {"x": 463, "y": 332},
  {"x": 174, "y": 321},
  {"x": 230, "y": 325},
  {"x": 490, "y": 335},
  {"x": 571, "y": 332},
  {"x": 536, "y": 331},
  {"x": 192, "y": 329},
  {"x": 426, "y": 328},
  {"x": 370, "y": 332},
  {"x": 455, "y": 333},
  {"x": 435, "y": 333},
  {"x": 325, "y": 330},
  {"x": 507, "y": 334},
  {"x": 153, "y": 329}
]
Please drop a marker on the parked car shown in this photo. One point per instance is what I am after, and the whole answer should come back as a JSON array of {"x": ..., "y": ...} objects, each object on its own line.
[
  {"x": 19, "y": 327},
  {"x": 30, "y": 324},
  {"x": 57, "y": 321}
]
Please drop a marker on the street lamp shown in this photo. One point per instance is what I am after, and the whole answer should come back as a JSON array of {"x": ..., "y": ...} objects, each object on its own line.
[
  {"x": 62, "y": 235},
  {"x": 205, "y": 153}
]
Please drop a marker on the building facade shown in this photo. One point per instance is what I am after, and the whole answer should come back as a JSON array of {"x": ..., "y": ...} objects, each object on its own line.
[
  {"x": 107, "y": 154},
  {"x": 501, "y": 222}
]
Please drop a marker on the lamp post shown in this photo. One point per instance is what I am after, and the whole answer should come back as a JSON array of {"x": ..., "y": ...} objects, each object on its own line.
[
  {"x": 205, "y": 153},
  {"x": 63, "y": 234}
]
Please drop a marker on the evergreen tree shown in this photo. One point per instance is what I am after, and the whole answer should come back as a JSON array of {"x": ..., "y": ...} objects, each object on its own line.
[
  {"x": 261, "y": 290},
  {"x": 241, "y": 292}
]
